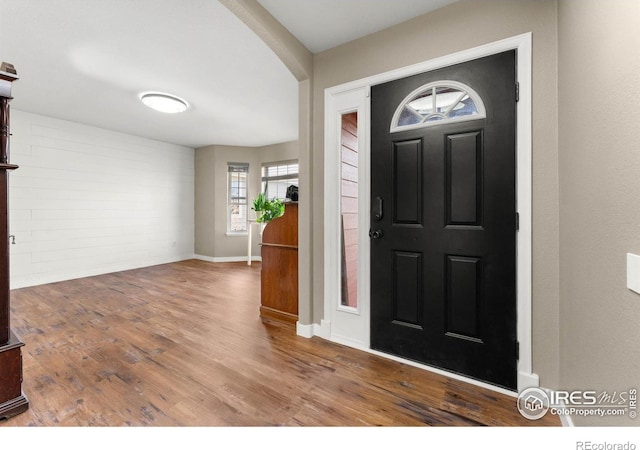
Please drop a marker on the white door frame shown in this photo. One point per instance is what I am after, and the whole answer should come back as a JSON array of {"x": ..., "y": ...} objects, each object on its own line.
[
  {"x": 354, "y": 96},
  {"x": 347, "y": 325}
]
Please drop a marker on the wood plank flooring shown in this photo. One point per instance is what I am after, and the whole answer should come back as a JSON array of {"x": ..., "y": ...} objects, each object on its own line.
[{"x": 182, "y": 344}]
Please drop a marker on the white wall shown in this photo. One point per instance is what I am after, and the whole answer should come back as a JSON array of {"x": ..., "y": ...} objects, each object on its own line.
[{"x": 87, "y": 201}]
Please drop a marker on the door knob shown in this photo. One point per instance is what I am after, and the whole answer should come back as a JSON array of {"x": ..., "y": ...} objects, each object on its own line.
[{"x": 375, "y": 234}]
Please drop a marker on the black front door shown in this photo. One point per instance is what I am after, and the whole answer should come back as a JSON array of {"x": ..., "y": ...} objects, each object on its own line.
[{"x": 443, "y": 227}]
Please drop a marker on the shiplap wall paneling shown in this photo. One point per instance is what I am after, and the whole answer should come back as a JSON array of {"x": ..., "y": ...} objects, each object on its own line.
[{"x": 87, "y": 201}]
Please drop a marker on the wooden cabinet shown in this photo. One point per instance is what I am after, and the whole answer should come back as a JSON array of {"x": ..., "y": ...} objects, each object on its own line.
[
  {"x": 279, "y": 277},
  {"x": 12, "y": 401}
]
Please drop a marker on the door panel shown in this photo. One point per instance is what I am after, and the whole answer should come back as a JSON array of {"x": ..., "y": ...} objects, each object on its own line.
[
  {"x": 443, "y": 263},
  {"x": 464, "y": 178},
  {"x": 407, "y": 283},
  {"x": 407, "y": 180},
  {"x": 463, "y": 300}
]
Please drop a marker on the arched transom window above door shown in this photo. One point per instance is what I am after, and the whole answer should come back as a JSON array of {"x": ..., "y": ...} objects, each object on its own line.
[{"x": 436, "y": 103}]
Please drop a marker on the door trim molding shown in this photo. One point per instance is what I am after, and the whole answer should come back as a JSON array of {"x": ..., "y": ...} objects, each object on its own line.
[
  {"x": 522, "y": 44},
  {"x": 346, "y": 325}
]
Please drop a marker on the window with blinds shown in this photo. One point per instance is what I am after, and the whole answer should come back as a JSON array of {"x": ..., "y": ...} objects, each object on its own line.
[
  {"x": 278, "y": 176},
  {"x": 237, "y": 182}
]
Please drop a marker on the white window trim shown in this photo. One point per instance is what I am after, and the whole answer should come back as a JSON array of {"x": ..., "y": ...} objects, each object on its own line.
[
  {"x": 523, "y": 45},
  {"x": 279, "y": 177},
  {"x": 230, "y": 232}
]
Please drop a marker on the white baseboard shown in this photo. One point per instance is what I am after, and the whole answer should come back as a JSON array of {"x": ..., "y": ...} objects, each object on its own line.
[
  {"x": 349, "y": 343},
  {"x": 527, "y": 380},
  {"x": 304, "y": 330},
  {"x": 324, "y": 329},
  {"x": 223, "y": 259},
  {"x": 308, "y": 331}
]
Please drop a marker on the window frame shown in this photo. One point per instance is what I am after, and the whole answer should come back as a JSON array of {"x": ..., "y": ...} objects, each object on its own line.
[
  {"x": 264, "y": 179},
  {"x": 480, "y": 107},
  {"x": 232, "y": 168}
]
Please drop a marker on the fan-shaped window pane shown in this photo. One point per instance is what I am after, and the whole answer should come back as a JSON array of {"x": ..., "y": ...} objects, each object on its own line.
[
  {"x": 423, "y": 104},
  {"x": 409, "y": 117},
  {"x": 447, "y": 98},
  {"x": 466, "y": 107},
  {"x": 438, "y": 102}
]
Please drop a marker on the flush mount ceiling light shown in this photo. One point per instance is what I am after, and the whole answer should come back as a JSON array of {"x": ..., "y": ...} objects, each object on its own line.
[{"x": 164, "y": 102}]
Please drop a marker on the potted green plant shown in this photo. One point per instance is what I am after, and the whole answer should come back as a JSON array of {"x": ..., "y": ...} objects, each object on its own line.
[{"x": 267, "y": 209}]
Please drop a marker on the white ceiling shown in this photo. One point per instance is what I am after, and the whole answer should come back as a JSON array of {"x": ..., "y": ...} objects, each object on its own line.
[
  {"x": 88, "y": 60},
  {"x": 324, "y": 24}
]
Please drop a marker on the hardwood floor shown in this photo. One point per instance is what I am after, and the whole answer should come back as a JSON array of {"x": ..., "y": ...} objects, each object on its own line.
[{"x": 182, "y": 345}]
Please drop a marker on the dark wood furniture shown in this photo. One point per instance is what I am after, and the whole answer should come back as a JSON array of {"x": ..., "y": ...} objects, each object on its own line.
[
  {"x": 279, "y": 277},
  {"x": 12, "y": 401}
]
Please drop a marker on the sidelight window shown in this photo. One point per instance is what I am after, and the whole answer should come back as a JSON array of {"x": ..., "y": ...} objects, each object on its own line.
[{"x": 436, "y": 103}]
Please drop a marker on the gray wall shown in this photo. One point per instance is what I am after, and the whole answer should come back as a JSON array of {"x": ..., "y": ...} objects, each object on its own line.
[
  {"x": 461, "y": 26},
  {"x": 599, "y": 63},
  {"x": 211, "y": 162}
]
